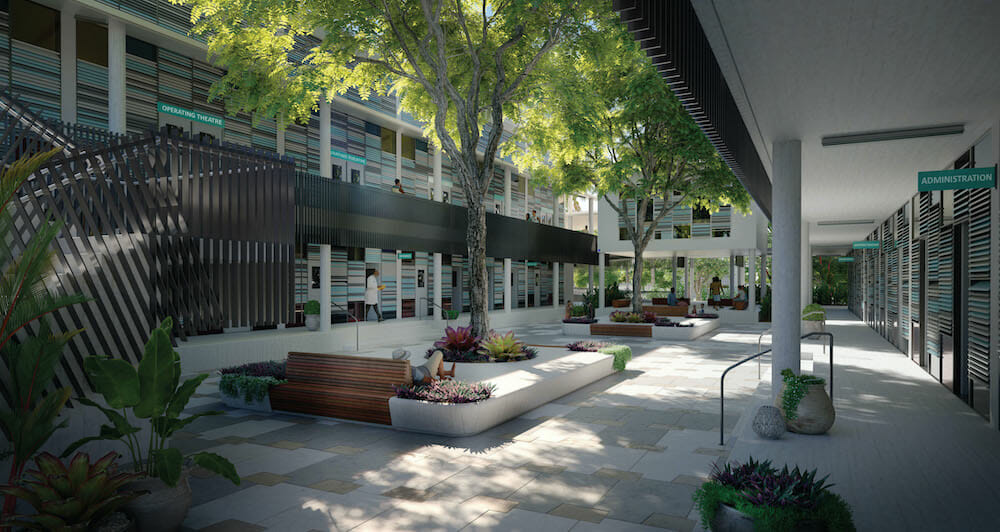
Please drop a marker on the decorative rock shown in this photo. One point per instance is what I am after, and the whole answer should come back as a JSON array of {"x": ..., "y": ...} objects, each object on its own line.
[
  {"x": 401, "y": 354},
  {"x": 768, "y": 423}
]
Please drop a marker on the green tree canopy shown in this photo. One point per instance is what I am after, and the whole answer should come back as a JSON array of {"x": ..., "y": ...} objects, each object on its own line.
[
  {"x": 460, "y": 66},
  {"x": 607, "y": 122}
]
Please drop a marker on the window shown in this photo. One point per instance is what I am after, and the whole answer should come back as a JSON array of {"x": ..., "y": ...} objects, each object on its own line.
[
  {"x": 206, "y": 138},
  {"x": 700, "y": 215},
  {"x": 622, "y": 233},
  {"x": 649, "y": 211},
  {"x": 409, "y": 148},
  {"x": 34, "y": 24},
  {"x": 388, "y": 140},
  {"x": 338, "y": 172},
  {"x": 356, "y": 254},
  {"x": 720, "y": 233},
  {"x": 682, "y": 231},
  {"x": 92, "y": 42},
  {"x": 657, "y": 235},
  {"x": 421, "y": 145},
  {"x": 454, "y": 278},
  {"x": 355, "y": 176},
  {"x": 139, "y": 48},
  {"x": 373, "y": 129}
]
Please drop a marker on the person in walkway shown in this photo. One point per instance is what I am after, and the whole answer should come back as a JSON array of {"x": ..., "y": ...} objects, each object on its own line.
[
  {"x": 715, "y": 291},
  {"x": 398, "y": 187},
  {"x": 371, "y": 294},
  {"x": 672, "y": 298}
]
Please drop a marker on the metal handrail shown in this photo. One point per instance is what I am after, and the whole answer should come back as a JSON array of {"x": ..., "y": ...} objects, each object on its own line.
[
  {"x": 444, "y": 311},
  {"x": 722, "y": 380},
  {"x": 759, "y": 340},
  {"x": 357, "y": 326}
]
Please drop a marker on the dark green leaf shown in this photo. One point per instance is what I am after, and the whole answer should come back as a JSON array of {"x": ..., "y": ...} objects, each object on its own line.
[
  {"x": 217, "y": 465},
  {"x": 115, "y": 379},
  {"x": 158, "y": 375},
  {"x": 167, "y": 465},
  {"x": 183, "y": 395}
]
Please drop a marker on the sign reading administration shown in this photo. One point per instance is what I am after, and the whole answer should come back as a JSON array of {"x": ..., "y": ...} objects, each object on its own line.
[
  {"x": 188, "y": 114},
  {"x": 866, "y": 244},
  {"x": 957, "y": 179}
]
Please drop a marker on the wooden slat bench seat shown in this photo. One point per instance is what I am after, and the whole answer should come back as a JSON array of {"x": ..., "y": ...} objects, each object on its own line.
[
  {"x": 666, "y": 310},
  {"x": 342, "y": 386},
  {"x": 616, "y": 329}
]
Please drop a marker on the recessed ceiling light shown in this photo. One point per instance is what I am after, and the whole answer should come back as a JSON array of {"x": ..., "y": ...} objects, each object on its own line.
[
  {"x": 893, "y": 134},
  {"x": 846, "y": 222}
]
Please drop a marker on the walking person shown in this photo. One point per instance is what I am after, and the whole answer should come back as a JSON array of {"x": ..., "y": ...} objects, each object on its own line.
[
  {"x": 371, "y": 294},
  {"x": 715, "y": 290}
]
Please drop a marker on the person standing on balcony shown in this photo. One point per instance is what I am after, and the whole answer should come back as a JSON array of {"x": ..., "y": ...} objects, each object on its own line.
[{"x": 371, "y": 294}]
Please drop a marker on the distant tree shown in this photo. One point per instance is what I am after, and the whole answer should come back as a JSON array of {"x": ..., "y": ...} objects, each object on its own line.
[
  {"x": 609, "y": 123},
  {"x": 459, "y": 66}
]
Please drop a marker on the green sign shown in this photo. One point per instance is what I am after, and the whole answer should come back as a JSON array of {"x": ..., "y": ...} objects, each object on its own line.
[
  {"x": 866, "y": 244},
  {"x": 532, "y": 264},
  {"x": 845, "y": 259},
  {"x": 406, "y": 256},
  {"x": 957, "y": 179},
  {"x": 337, "y": 154},
  {"x": 188, "y": 114}
]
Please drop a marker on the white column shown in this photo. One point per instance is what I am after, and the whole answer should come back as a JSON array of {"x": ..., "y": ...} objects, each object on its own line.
[
  {"x": 527, "y": 283},
  {"x": 590, "y": 214},
  {"x": 673, "y": 275},
  {"x": 325, "y": 158},
  {"x": 555, "y": 211},
  {"x": 568, "y": 281},
  {"x": 732, "y": 272},
  {"x": 508, "y": 289},
  {"x": 752, "y": 284},
  {"x": 324, "y": 287},
  {"x": 786, "y": 195},
  {"x": 67, "y": 57},
  {"x": 116, "y": 75},
  {"x": 555, "y": 284},
  {"x": 438, "y": 184},
  {"x": 527, "y": 209},
  {"x": 399, "y": 288},
  {"x": 506, "y": 191},
  {"x": 438, "y": 287},
  {"x": 600, "y": 279},
  {"x": 807, "y": 267},
  {"x": 399, "y": 152}
]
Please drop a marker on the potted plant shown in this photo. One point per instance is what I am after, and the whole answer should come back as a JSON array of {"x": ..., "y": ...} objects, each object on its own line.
[
  {"x": 446, "y": 391},
  {"x": 756, "y": 496},
  {"x": 813, "y": 318},
  {"x": 804, "y": 403},
  {"x": 311, "y": 311},
  {"x": 248, "y": 386},
  {"x": 152, "y": 392},
  {"x": 80, "y": 496},
  {"x": 765, "y": 308}
]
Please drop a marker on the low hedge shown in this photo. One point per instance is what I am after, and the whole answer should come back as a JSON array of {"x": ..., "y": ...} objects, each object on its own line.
[{"x": 622, "y": 354}]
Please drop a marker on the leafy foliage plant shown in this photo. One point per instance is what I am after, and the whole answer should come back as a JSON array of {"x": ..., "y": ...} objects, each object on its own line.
[
  {"x": 250, "y": 388},
  {"x": 311, "y": 308},
  {"x": 447, "y": 391},
  {"x": 622, "y": 354},
  {"x": 813, "y": 312},
  {"x": 796, "y": 387},
  {"x": 152, "y": 391}
]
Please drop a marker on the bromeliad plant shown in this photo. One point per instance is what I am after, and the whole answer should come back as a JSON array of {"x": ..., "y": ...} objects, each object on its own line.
[
  {"x": 619, "y": 316},
  {"x": 458, "y": 344},
  {"x": 796, "y": 387},
  {"x": 153, "y": 392},
  {"x": 71, "y": 497},
  {"x": 776, "y": 500},
  {"x": 505, "y": 348}
]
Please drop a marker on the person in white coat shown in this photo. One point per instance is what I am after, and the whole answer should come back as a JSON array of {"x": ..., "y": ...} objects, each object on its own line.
[{"x": 371, "y": 294}]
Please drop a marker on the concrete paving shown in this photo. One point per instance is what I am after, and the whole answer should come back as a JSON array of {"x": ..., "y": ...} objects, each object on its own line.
[{"x": 624, "y": 453}]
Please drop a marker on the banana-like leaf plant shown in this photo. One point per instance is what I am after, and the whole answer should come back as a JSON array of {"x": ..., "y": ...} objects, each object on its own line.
[{"x": 152, "y": 391}]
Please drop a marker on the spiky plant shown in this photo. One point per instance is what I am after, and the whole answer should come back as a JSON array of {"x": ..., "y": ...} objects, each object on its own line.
[
  {"x": 458, "y": 339},
  {"x": 501, "y": 346},
  {"x": 30, "y": 420},
  {"x": 70, "y": 497}
]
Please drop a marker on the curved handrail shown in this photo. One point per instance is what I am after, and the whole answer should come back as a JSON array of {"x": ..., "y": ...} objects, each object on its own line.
[
  {"x": 357, "y": 326},
  {"x": 722, "y": 380}
]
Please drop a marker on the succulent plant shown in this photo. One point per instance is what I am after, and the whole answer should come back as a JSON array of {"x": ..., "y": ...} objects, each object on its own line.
[
  {"x": 649, "y": 317},
  {"x": 458, "y": 339},
  {"x": 70, "y": 497},
  {"x": 498, "y": 345},
  {"x": 587, "y": 345},
  {"x": 447, "y": 391},
  {"x": 763, "y": 485}
]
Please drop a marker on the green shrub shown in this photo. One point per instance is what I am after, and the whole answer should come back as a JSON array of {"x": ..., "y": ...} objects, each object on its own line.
[
  {"x": 311, "y": 308},
  {"x": 813, "y": 312},
  {"x": 622, "y": 354},
  {"x": 251, "y": 389},
  {"x": 578, "y": 311}
]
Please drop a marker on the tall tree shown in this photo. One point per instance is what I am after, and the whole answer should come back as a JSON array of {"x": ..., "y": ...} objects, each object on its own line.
[
  {"x": 607, "y": 122},
  {"x": 460, "y": 66}
]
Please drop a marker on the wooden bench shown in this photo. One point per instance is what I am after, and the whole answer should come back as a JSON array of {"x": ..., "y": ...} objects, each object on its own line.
[
  {"x": 739, "y": 305},
  {"x": 617, "y": 329},
  {"x": 680, "y": 301},
  {"x": 666, "y": 310},
  {"x": 342, "y": 386}
]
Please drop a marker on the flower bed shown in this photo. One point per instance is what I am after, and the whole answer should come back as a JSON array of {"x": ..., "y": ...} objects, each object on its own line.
[
  {"x": 633, "y": 317},
  {"x": 446, "y": 391},
  {"x": 460, "y": 345},
  {"x": 248, "y": 385},
  {"x": 666, "y": 322},
  {"x": 587, "y": 345},
  {"x": 582, "y": 320}
]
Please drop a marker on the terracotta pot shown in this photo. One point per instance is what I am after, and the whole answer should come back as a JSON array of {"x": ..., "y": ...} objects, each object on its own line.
[
  {"x": 163, "y": 509},
  {"x": 814, "y": 414}
]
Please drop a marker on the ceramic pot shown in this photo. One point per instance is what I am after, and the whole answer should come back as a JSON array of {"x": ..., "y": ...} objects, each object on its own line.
[
  {"x": 814, "y": 414},
  {"x": 809, "y": 326},
  {"x": 312, "y": 322},
  {"x": 163, "y": 509},
  {"x": 729, "y": 519}
]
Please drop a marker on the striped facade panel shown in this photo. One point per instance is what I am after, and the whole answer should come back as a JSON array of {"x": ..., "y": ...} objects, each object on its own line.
[
  {"x": 92, "y": 94},
  {"x": 141, "y": 94},
  {"x": 5, "y": 43},
  {"x": 35, "y": 77}
]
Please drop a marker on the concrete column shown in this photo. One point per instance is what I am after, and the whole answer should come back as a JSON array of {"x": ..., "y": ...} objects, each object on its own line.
[
  {"x": 590, "y": 214},
  {"x": 116, "y": 75},
  {"x": 687, "y": 279},
  {"x": 555, "y": 284},
  {"x": 751, "y": 290},
  {"x": 325, "y": 158},
  {"x": 438, "y": 287},
  {"x": 438, "y": 184},
  {"x": 506, "y": 191},
  {"x": 568, "y": 282},
  {"x": 527, "y": 203},
  {"x": 786, "y": 177},
  {"x": 324, "y": 287},
  {"x": 67, "y": 57},
  {"x": 673, "y": 275},
  {"x": 732, "y": 272},
  {"x": 555, "y": 211},
  {"x": 527, "y": 283},
  {"x": 807, "y": 266},
  {"x": 399, "y": 288},
  {"x": 508, "y": 288},
  {"x": 399, "y": 152},
  {"x": 601, "y": 288}
]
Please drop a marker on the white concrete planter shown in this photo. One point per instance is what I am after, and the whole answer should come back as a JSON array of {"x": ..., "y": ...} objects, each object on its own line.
[
  {"x": 576, "y": 329},
  {"x": 701, "y": 327},
  {"x": 813, "y": 326},
  {"x": 263, "y": 405}
]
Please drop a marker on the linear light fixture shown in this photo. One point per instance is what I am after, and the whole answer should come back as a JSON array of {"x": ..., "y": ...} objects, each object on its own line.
[
  {"x": 894, "y": 134},
  {"x": 846, "y": 222}
]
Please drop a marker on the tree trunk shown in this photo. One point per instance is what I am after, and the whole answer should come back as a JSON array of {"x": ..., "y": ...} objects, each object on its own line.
[
  {"x": 637, "y": 280},
  {"x": 475, "y": 238}
]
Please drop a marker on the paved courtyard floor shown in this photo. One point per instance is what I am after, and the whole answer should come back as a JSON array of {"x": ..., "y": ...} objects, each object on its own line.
[{"x": 624, "y": 453}]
